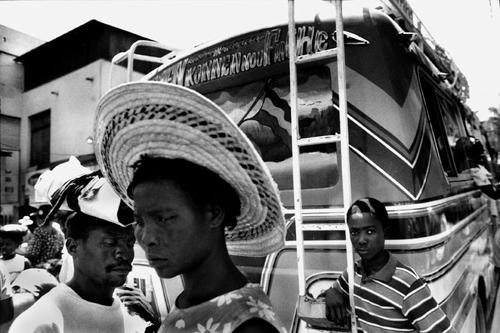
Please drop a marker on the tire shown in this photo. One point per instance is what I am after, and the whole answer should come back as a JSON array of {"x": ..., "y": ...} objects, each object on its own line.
[{"x": 480, "y": 319}]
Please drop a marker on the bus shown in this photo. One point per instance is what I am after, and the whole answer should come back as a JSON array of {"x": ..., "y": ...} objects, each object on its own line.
[{"x": 410, "y": 146}]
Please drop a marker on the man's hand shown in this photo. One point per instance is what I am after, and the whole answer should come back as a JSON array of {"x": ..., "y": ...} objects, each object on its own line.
[
  {"x": 336, "y": 307},
  {"x": 136, "y": 302}
]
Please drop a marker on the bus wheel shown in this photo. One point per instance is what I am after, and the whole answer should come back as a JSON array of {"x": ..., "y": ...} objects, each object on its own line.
[{"x": 480, "y": 320}]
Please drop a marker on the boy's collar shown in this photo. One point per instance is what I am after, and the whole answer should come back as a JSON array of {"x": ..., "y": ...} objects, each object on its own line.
[{"x": 384, "y": 274}]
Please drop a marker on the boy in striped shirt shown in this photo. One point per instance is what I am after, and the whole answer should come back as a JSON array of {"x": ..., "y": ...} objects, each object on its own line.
[{"x": 389, "y": 296}]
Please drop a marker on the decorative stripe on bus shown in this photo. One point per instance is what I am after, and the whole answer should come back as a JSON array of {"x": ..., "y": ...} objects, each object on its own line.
[
  {"x": 360, "y": 106},
  {"x": 408, "y": 176},
  {"x": 416, "y": 228},
  {"x": 414, "y": 244},
  {"x": 405, "y": 209}
]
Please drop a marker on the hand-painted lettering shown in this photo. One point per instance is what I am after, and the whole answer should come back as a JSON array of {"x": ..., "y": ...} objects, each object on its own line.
[{"x": 261, "y": 50}]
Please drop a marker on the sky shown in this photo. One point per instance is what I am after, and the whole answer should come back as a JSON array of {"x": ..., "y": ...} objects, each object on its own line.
[{"x": 468, "y": 30}]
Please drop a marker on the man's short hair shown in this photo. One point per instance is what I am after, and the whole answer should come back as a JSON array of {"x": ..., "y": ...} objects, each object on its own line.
[{"x": 371, "y": 206}]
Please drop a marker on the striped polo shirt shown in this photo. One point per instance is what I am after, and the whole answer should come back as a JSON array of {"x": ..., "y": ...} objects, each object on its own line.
[{"x": 394, "y": 299}]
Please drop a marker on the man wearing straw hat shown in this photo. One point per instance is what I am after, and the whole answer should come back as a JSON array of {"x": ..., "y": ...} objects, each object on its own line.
[
  {"x": 200, "y": 192},
  {"x": 101, "y": 241}
]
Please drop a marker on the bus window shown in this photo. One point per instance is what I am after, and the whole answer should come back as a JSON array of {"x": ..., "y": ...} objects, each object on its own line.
[
  {"x": 455, "y": 131},
  {"x": 261, "y": 109},
  {"x": 442, "y": 135}
]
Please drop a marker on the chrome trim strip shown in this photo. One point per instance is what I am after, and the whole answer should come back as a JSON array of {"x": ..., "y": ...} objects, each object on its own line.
[
  {"x": 459, "y": 318},
  {"x": 457, "y": 256},
  {"x": 403, "y": 244},
  {"x": 421, "y": 208},
  {"x": 267, "y": 270}
]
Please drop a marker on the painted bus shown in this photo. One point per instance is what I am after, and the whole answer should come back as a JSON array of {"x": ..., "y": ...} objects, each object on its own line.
[{"x": 410, "y": 146}]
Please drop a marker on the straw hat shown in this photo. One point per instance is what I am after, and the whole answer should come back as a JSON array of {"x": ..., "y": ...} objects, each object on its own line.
[{"x": 165, "y": 120}]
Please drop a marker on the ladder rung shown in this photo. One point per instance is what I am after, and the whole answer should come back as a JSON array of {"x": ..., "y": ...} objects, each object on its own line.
[
  {"x": 322, "y": 55},
  {"x": 323, "y": 227},
  {"x": 333, "y": 212},
  {"x": 318, "y": 140}
]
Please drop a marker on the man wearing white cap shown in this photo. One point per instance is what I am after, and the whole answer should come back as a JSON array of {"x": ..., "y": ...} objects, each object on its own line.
[{"x": 102, "y": 251}]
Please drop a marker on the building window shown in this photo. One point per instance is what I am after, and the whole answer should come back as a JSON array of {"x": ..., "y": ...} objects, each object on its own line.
[
  {"x": 9, "y": 133},
  {"x": 40, "y": 138}
]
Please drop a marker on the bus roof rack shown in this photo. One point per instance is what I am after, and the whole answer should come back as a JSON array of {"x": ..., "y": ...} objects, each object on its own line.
[
  {"x": 409, "y": 21},
  {"x": 130, "y": 55}
]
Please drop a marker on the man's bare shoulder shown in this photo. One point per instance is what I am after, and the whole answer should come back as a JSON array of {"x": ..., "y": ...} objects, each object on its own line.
[{"x": 41, "y": 317}]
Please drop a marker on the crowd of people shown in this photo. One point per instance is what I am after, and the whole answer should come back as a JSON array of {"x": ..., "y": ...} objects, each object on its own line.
[
  {"x": 29, "y": 263},
  {"x": 178, "y": 177}
]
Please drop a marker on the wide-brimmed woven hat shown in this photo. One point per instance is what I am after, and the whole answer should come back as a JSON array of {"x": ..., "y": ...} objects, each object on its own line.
[{"x": 165, "y": 120}]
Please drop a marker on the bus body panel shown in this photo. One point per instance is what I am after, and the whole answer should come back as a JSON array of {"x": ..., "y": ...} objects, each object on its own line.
[{"x": 400, "y": 153}]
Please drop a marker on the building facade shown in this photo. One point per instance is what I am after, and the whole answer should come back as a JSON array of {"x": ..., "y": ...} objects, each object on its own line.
[
  {"x": 12, "y": 44},
  {"x": 62, "y": 83}
]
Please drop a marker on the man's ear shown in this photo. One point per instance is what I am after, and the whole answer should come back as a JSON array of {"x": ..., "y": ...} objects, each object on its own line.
[
  {"x": 215, "y": 215},
  {"x": 72, "y": 246}
]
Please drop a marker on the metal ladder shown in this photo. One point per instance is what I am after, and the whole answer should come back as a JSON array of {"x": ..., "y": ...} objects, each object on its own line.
[{"x": 342, "y": 138}]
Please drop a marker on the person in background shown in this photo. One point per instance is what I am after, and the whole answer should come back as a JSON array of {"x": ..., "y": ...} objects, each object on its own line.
[
  {"x": 6, "y": 306},
  {"x": 200, "y": 192},
  {"x": 11, "y": 237},
  {"x": 15, "y": 298},
  {"x": 47, "y": 242},
  {"x": 37, "y": 281},
  {"x": 389, "y": 296},
  {"x": 29, "y": 224},
  {"x": 66, "y": 270},
  {"x": 483, "y": 179}
]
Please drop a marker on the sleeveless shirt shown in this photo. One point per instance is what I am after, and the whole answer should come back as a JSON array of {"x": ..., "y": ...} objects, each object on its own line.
[{"x": 223, "y": 313}]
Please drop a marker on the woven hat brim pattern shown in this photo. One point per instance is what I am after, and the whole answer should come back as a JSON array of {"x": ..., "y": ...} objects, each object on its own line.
[{"x": 165, "y": 120}]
